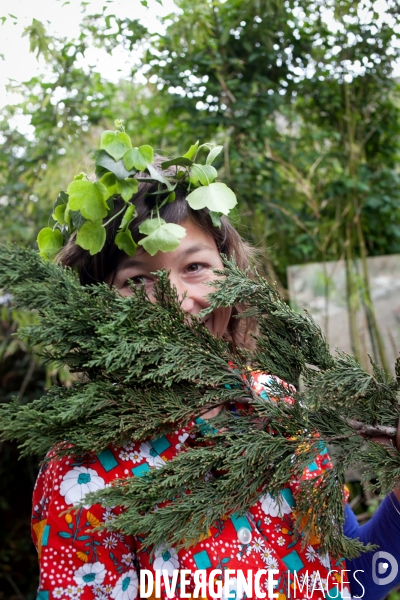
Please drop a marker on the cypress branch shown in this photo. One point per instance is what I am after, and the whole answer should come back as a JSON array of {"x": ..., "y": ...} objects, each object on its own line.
[{"x": 143, "y": 371}]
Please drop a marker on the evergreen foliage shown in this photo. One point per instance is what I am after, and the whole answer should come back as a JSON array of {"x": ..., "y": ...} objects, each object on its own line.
[{"x": 144, "y": 371}]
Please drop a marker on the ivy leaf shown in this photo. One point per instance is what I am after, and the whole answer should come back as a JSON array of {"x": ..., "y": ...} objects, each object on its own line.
[
  {"x": 161, "y": 236},
  {"x": 76, "y": 218},
  {"x": 104, "y": 164},
  {"x": 90, "y": 198},
  {"x": 181, "y": 161},
  {"x": 115, "y": 143},
  {"x": 50, "y": 241},
  {"x": 204, "y": 174},
  {"x": 192, "y": 151},
  {"x": 91, "y": 236},
  {"x": 110, "y": 181},
  {"x": 59, "y": 214},
  {"x": 216, "y": 219},
  {"x": 126, "y": 243},
  {"x": 62, "y": 198},
  {"x": 217, "y": 197},
  {"x": 129, "y": 215},
  {"x": 170, "y": 198},
  {"x": 213, "y": 154},
  {"x": 139, "y": 157},
  {"x": 127, "y": 187},
  {"x": 156, "y": 175},
  {"x": 234, "y": 217}
]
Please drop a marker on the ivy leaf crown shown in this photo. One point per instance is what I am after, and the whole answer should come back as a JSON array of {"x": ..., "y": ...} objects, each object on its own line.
[{"x": 87, "y": 207}]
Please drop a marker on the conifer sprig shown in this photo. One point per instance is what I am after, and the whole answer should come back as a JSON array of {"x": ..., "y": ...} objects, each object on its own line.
[{"x": 145, "y": 371}]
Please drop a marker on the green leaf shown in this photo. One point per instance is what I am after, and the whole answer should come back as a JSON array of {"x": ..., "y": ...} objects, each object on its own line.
[
  {"x": 213, "y": 154},
  {"x": 76, "y": 217},
  {"x": 115, "y": 143},
  {"x": 216, "y": 219},
  {"x": 181, "y": 161},
  {"x": 234, "y": 216},
  {"x": 150, "y": 225},
  {"x": 204, "y": 174},
  {"x": 171, "y": 197},
  {"x": 127, "y": 188},
  {"x": 91, "y": 236},
  {"x": 105, "y": 163},
  {"x": 50, "y": 242},
  {"x": 217, "y": 197},
  {"x": 161, "y": 236},
  {"x": 192, "y": 151},
  {"x": 156, "y": 175},
  {"x": 62, "y": 198},
  {"x": 129, "y": 215},
  {"x": 59, "y": 214},
  {"x": 90, "y": 198},
  {"x": 109, "y": 180},
  {"x": 139, "y": 157},
  {"x": 126, "y": 243}
]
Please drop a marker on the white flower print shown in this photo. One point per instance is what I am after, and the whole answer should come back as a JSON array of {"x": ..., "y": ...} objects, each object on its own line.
[
  {"x": 124, "y": 455},
  {"x": 165, "y": 559},
  {"x": 267, "y": 520},
  {"x": 78, "y": 482},
  {"x": 98, "y": 589},
  {"x": 231, "y": 592},
  {"x": 311, "y": 553},
  {"x": 73, "y": 592},
  {"x": 110, "y": 542},
  {"x": 58, "y": 592},
  {"x": 266, "y": 554},
  {"x": 324, "y": 560},
  {"x": 135, "y": 457},
  {"x": 315, "y": 581},
  {"x": 128, "y": 559},
  {"x": 258, "y": 545},
  {"x": 304, "y": 579},
  {"x": 70, "y": 591},
  {"x": 126, "y": 587},
  {"x": 108, "y": 516},
  {"x": 79, "y": 589},
  {"x": 275, "y": 506},
  {"x": 90, "y": 574},
  {"x": 272, "y": 564},
  {"x": 108, "y": 588},
  {"x": 129, "y": 446},
  {"x": 152, "y": 458},
  {"x": 281, "y": 541}
]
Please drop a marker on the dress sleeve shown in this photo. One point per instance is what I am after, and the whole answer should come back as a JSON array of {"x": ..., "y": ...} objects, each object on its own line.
[
  {"x": 371, "y": 576},
  {"x": 76, "y": 560}
]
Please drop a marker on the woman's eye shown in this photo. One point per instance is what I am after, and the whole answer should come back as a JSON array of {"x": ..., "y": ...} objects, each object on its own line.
[
  {"x": 137, "y": 280},
  {"x": 193, "y": 268}
]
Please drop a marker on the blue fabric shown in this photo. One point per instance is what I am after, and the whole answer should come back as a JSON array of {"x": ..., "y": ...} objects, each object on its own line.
[{"x": 383, "y": 530}]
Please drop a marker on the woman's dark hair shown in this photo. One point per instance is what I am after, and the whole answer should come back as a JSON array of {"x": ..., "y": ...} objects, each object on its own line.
[{"x": 103, "y": 266}]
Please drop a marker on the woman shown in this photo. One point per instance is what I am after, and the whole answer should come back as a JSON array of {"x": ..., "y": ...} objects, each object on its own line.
[{"x": 78, "y": 561}]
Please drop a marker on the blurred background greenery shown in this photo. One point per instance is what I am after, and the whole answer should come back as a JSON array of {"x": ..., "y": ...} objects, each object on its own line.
[{"x": 303, "y": 95}]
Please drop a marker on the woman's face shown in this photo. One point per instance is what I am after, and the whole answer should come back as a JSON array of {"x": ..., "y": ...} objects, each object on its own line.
[{"x": 189, "y": 269}]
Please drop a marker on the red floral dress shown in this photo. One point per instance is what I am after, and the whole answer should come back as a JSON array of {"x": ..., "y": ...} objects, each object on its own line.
[{"x": 77, "y": 562}]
